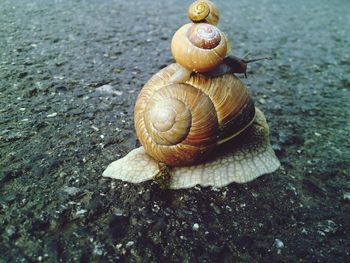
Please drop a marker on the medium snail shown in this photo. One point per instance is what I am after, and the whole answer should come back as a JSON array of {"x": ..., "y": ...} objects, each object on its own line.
[
  {"x": 197, "y": 47},
  {"x": 200, "y": 47},
  {"x": 196, "y": 121}
]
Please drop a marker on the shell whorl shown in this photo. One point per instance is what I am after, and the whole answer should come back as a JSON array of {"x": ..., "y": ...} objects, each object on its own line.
[
  {"x": 203, "y": 11},
  {"x": 167, "y": 119},
  {"x": 199, "y": 47},
  {"x": 179, "y": 132},
  {"x": 204, "y": 36},
  {"x": 179, "y": 124}
]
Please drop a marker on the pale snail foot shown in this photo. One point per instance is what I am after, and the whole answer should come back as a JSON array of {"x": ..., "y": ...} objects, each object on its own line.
[{"x": 241, "y": 160}]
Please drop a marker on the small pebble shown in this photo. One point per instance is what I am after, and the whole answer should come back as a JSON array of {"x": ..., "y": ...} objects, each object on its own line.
[
  {"x": 304, "y": 231},
  {"x": 278, "y": 245},
  {"x": 216, "y": 209},
  {"x": 52, "y": 115},
  {"x": 317, "y": 134},
  {"x": 129, "y": 244},
  {"x": 95, "y": 128},
  {"x": 81, "y": 212},
  {"x": 328, "y": 226},
  {"x": 10, "y": 231},
  {"x": 346, "y": 196},
  {"x": 108, "y": 89},
  {"x": 98, "y": 249},
  {"x": 118, "y": 246},
  {"x": 71, "y": 191},
  {"x": 228, "y": 208},
  {"x": 262, "y": 101},
  {"x": 195, "y": 227}
]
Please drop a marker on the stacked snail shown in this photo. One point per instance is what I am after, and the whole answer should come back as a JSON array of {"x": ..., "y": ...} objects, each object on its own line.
[{"x": 196, "y": 118}]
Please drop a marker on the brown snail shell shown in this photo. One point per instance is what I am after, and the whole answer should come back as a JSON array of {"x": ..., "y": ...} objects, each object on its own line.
[
  {"x": 203, "y": 11},
  {"x": 199, "y": 47},
  {"x": 179, "y": 124},
  {"x": 239, "y": 152}
]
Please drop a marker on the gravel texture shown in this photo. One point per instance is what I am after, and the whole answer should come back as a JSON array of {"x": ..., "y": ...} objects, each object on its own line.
[{"x": 70, "y": 72}]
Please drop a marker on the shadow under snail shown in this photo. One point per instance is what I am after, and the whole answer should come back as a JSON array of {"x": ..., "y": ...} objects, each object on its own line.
[{"x": 196, "y": 120}]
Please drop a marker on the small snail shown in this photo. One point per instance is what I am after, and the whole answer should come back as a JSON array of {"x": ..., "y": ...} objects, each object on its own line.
[
  {"x": 203, "y": 11},
  {"x": 196, "y": 121}
]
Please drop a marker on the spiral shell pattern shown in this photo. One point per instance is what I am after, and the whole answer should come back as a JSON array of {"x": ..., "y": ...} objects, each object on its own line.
[
  {"x": 168, "y": 120},
  {"x": 204, "y": 36},
  {"x": 199, "y": 47},
  {"x": 203, "y": 11},
  {"x": 179, "y": 124}
]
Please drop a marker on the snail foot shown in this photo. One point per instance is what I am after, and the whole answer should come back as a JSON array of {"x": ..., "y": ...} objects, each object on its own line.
[{"x": 241, "y": 160}]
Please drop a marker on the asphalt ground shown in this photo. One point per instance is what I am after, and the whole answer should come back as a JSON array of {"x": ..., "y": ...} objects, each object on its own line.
[{"x": 60, "y": 129}]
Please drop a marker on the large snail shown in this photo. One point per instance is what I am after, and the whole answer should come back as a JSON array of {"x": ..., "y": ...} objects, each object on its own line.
[{"x": 196, "y": 120}]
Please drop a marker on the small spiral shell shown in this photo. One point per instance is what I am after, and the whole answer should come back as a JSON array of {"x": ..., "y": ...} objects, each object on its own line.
[
  {"x": 204, "y": 36},
  {"x": 199, "y": 47},
  {"x": 179, "y": 124},
  {"x": 203, "y": 11}
]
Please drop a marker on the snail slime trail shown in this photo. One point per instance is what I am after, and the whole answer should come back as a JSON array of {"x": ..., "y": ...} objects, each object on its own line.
[{"x": 195, "y": 119}]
